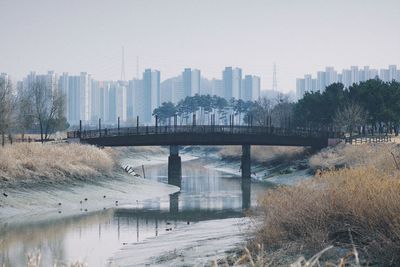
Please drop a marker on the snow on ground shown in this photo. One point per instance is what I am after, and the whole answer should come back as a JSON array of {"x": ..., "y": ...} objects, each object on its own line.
[{"x": 196, "y": 244}]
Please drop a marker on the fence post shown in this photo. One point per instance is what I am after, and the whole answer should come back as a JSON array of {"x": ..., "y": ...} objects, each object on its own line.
[
  {"x": 156, "y": 117},
  {"x": 99, "y": 127},
  {"x": 80, "y": 129},
  {"x": 137, "y": 124},
  {"x": 118, "y": 125}
]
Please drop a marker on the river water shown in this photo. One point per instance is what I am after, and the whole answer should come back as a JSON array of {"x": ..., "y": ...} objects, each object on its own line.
[{"x": 95, "y": 238}]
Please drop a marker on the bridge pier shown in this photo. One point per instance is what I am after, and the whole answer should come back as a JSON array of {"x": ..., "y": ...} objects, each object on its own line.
[
  {"x": 246, "y": 194},
  {"x": 174, "y": 166},
  {"x": 246, "y": 162}
]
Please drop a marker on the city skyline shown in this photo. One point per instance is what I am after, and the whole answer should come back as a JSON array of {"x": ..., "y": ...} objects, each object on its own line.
[
  {"x": 347, "y": 77},
  {"x": 227, "y": 33},
  {"x": 89, "y": 100}
]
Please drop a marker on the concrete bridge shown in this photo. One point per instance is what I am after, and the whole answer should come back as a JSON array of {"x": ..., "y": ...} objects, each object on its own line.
[{"x": 211, "y": 135}]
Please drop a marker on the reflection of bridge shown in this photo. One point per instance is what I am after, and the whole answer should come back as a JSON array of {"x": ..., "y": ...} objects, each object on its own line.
[{"x": 175, "y": 136}]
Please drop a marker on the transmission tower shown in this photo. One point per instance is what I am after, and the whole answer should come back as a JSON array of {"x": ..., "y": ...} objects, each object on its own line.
[
  {"x": 123, "y": 65},
  {"x": 274, "y": 80}
]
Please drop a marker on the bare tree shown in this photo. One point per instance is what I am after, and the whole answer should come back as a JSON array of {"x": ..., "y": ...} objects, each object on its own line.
[
  {"x": 350, "y": 117},
  {"x": 259, "y": 112},
  {"x": 25, "y": 114},
  {"x": 282, "y": 112},
  {"x": 48, "y": 107},
  {"x": 6, "y": 108}
]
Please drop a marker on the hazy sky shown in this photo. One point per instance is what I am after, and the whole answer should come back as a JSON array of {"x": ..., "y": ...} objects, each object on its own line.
[{"x": 301, "y": 36}]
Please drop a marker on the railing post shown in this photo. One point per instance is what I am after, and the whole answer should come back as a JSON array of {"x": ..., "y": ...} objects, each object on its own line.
[
  {"x": 99, "y": 127},
  {"x": 156, "y": 117},
  {"x": 80, "y": 129},
  {"x": 137, "y": 124},
  {"x": 118, "y": 125},
  {"x": 175, "y": 120}
]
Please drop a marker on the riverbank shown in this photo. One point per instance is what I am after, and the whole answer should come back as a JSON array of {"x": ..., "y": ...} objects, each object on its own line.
[
  {"x": 350, "y": 207},
  {"x": 52, "y": 181},
  {"x": 31, "y": 163},
  {"x": 271, "y": 165}
]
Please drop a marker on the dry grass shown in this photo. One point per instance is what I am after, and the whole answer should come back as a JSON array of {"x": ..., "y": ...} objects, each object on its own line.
[
  {"x": 310, "y": 216},
  {"x": 54, "y": 162},
  {"x": 34, "y": 260},
  {"x": 263, "y": 153},
  {"x": 377, "y": 155},
  {"x": 122, "y": 152}
]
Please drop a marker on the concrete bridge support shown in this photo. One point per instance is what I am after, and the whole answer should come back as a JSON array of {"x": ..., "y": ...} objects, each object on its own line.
[
  {"x": 246, "y": 194},
  {"x": 246, "y": 162},
  {"x": 174, "y": 166}
]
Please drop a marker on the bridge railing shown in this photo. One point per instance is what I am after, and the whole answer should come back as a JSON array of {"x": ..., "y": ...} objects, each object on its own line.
[{"x": 204, "y": 129}]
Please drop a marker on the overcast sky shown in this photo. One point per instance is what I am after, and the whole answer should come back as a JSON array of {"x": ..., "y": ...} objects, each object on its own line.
[{"x": 300, "y": 36}]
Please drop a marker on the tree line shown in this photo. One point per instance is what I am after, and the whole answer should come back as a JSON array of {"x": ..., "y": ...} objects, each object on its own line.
[
  {"x": 37, "y": 107},
  {"x": 368, "y": 107},
  {"x": 274, "y": 112}
]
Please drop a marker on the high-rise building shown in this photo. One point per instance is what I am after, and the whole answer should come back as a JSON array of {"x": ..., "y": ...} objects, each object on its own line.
[
  {"x": 348, "y": 77},
  {"x": 354, "y": 75},
  {"x": 364, "y": 74},
  {"x": 330, "y": 75},
  {"x": 218, "y": 87},
  {"x": 151, "y": 87},
  {"x": 121, "y": 101},
  {"x": 321, "y": 81},
  {"x": 232, "y": 79},
  {"x": 78, "y": 93},
  {"x": 392, "y": 72},
  {"x": 139, "y": 97},
  {"x": 191, "y": 82},
  {"x": 308, "y": 83},
  {"x": 250, "y": 88},
  {"x": 384, "y": 75},
  {"x": 112, "y": 104},
  {"x": 85, "y": 95},
  {"x": 300, "y": 88}
]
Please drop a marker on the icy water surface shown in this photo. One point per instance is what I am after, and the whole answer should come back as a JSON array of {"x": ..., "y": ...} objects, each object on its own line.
[{"x": 95, "y": 237}]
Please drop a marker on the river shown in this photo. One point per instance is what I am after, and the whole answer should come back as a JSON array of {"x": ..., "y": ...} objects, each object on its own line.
[{"x": 210, "y": 204}]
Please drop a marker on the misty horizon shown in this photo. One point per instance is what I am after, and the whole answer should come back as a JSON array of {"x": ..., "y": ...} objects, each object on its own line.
[{"x": 300, "y": 37}]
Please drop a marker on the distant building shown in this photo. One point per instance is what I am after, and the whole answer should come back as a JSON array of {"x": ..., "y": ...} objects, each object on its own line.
[
  {"x": 300, "y": 88},
  {"x": 218, "y": 87},
  {"x": 392, "y": 72},
  {"x": 151, "y": 88},
  {"x": 250, "y": 88},
  {"x": 347, "y": 77},
  {"x": 191, "y": 82},
  {"x": 232, "y": 79},
  {"x": 321, "y": 81}
]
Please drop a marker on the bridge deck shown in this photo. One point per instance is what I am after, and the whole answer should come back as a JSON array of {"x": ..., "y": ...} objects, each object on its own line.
[{"x": 204, "y": 135}]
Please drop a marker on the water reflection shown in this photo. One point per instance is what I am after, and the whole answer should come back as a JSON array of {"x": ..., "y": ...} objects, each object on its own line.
[{"x": 93, "y": 238}]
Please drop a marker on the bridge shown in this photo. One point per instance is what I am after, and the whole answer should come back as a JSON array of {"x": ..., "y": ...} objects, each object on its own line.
[{"x": 218, "y": 135}]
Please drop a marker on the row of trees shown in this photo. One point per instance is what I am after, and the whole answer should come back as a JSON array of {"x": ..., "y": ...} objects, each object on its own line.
[
  {"x": 35, "y": 108},
  {"x": 263, "y": 111},
  {"x": 371, "y": 106}
]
